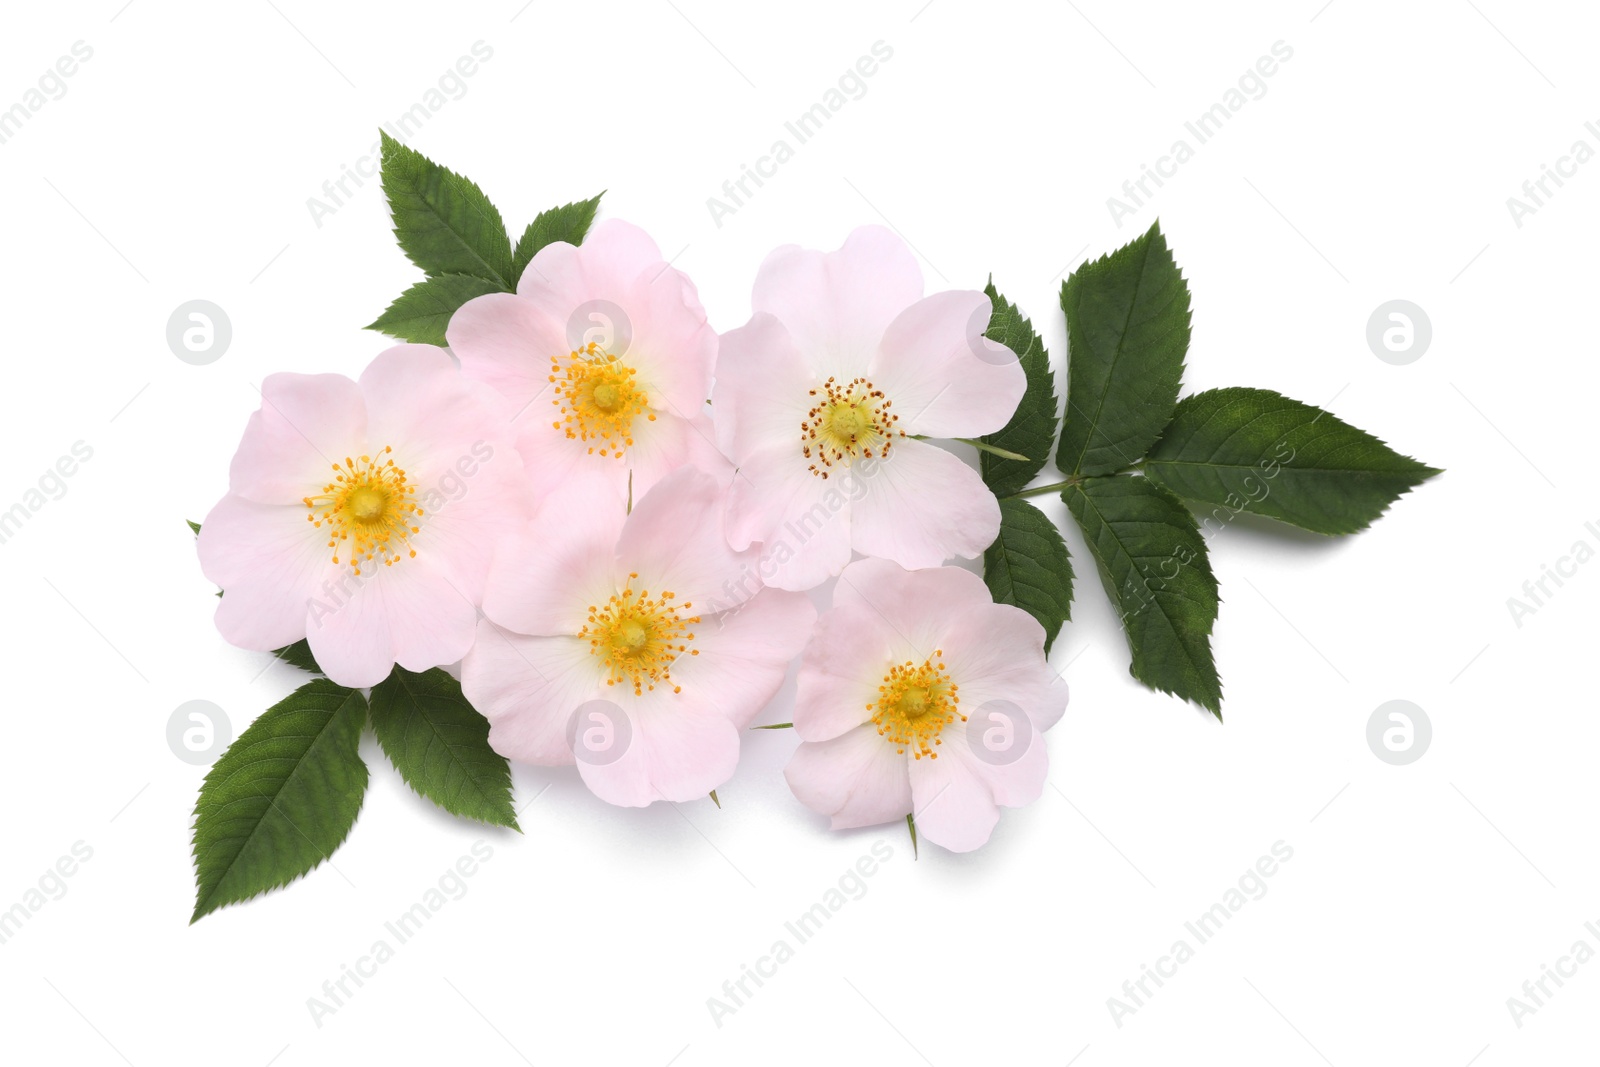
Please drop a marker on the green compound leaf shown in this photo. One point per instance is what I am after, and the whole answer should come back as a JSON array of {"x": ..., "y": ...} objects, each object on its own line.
[
  {"x": 1259, "y": 451},
  {"x": 282, "y": 798},
  {"x": 421, "y": 313},
  {"x": 1032, "y": 429},
  {"x": 440, "y": 745},
  {"x": 1127, "y": 333},
  {"x": 1028, "y": 567},
  {"x": 444, "y": 223},
  {"x": 569, "y": 223},
  {"x": 1154, "y": 565}
]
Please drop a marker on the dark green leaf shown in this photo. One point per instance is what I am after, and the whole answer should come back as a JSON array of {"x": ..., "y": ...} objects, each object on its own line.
[
  {"x": 440, "y": 745},
  {"x": 1032, "y": 430},
  {"x": 421, "y": 313},
  {"x": 299, "y": 655},
  {"x": 193, "y": 526},
  {"x": 1155, "y": 568},
  {"x": 282, "y": 798},
  {"x": 445, "y": 224},
  {"x": 1127, "y": 333},
  {"x": 1028, "y": 566},
  {"x": 1259, "y": 451},
  {"x": 569, "y": 223}
]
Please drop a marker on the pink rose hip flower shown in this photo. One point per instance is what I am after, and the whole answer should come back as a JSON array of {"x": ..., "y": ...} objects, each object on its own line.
[
  {"x": 820, "y": 398},
  {"x": 605, "y": 352},
  {"x": 362, "y": 515},
  {"x": 919, "y": 694},
  {"x": 637, "y": 645}
]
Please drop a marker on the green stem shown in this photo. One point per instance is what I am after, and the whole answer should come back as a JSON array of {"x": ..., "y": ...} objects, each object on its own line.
[
  {"x": 992, "y": 450},
  {"x": 775, "y": 726},
  {"x": 1044, "y": 490}
]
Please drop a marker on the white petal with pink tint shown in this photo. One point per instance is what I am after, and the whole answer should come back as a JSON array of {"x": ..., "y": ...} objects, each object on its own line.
[
  {"x": 952, "y": 695},
  {"x": 642, "y": 601},
  {"x": 528, "y": 688},
  {"x": 267, "y": 557},
  {"x": 651, "y": 341},
  {"x": 762, "y": 392},
  {"x": 855, "y": 778},
  {"x": 837, "y": 304},
  {"x": 929, "y": 362},
  {"x": 923, "y": 506},
  {"x": 677, "y": 750},
  {"x": 545, "y": 575},
  {"x": 306, "y": 424},
  {"x": 432, "y": 457}
]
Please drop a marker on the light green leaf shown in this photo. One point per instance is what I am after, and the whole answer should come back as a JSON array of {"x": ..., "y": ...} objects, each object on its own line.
[
  {"x": 440, "y": 745},
  {"x": 1259, "y": 451},
  {"x": 569, "y": 223},
  {"x": 1127, "y": 333},
  {"x": 282, "y": 798},
  {"x": 1155, "y": 568},
  {"x": 1032, "y": 429},
  {"x": 444, "y": 223},
  {"x": 421, "y": 313},
  {"x": 1028, "y": 567}
]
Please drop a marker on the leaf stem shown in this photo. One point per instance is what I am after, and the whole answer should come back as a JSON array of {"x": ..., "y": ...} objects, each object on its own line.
[
  {"x": 1043, "y": 490},
  {"x": 775, "y": 726},
  {"x": 993, "y": 450}
]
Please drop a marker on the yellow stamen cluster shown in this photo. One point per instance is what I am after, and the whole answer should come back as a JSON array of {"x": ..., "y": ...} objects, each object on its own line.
[
  {"x": 368, "y": 509},
  {"x": 639, "y": 637},
  {"x": 914, "y": 705},
  {"x": 847, "y": 421},
  {"x": 598, "y": 399}
]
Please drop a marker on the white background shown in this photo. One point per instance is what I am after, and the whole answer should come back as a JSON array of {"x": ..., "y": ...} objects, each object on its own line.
[{"x": 1377, "y": 165}]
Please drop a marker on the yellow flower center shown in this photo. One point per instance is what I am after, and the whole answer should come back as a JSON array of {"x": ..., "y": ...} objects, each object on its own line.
[
  {"x": 598, "y": 399},
  {"x": 914, "y": 705},
  {"x": 368, "y": 509},
  {"x": 639, "y": 637},
  {"x": 847, "y": 421}
]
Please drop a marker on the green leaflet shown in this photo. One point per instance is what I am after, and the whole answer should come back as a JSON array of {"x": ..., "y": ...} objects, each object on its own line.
[
  {"x": 1155, "y": 568},
  {"x": 1028, "y": 567},
  {"x": 1032, "y": 428},
  {"x": 444, "y": 223},
  {"x": 1256, "y": 450},
  {"x": 1127, "y": 333},
  {"x": 299, "y": 655},
  {"x": 421, "y": 313},
  {"x": 282, "y": 798},
  {"x": 440, "y": 745},
  {"x": 569, "y": 223}
]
